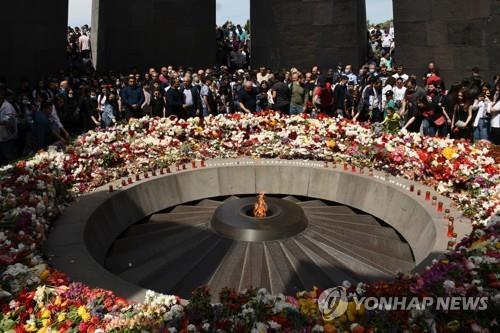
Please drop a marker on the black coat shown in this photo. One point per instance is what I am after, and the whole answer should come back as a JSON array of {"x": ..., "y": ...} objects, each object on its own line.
[
  {"x": 175, "y": 100},
  {"x": 196, "y": 96}
]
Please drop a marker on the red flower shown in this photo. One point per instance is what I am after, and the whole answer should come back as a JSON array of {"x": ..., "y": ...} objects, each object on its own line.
[{"x": 83, "y": 327}]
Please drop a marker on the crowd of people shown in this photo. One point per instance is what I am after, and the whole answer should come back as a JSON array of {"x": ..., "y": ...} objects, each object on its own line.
[
  {"x": 233, "y": 46},
  {"x": 381, "y": 46},
  {"x": 78, "y": 49},
  {"x": 379, "y": 93}
]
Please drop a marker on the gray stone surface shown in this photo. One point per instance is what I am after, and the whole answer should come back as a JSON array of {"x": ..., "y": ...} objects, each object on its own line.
[
  {"x": 303, "y": 33},
  {"x": 34, "y": 43},
  {"x": 104, "y": 216},
  {"x": 154, "y": 33},
  {"x": 458, "y": 35}
]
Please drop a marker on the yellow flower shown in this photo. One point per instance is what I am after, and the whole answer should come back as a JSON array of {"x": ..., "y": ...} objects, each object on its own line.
[
  {"x": 45, "y": 313},
  {"x": 331, "y": 143},
  {"x": 479, "y": 244},
  {"x": 30, "y": 327},
  {"x": 86, "y": 316},
  {"x": 61, "y": 317},
  {"x": 57, "y": 301},
  {"x": 44, "y": 274},
  {"x": 83, "y": 313},
  {"x": 42, "y": 330},
  {"x": 46, "y": 322},
  {"x": 448, "y": 153}
]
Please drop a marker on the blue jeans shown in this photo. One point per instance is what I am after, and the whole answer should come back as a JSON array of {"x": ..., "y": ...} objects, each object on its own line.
[
  {"x": 482, "y": 131},
  {"x": 427, "y": 128},
  {"x": 296, "y": 110}
]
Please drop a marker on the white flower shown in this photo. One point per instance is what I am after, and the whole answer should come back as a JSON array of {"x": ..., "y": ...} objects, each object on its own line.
[
  {"x": 449, "y": 285},
  {"x": 274, "y": 325},
  {"x": 318, "y": 328}
]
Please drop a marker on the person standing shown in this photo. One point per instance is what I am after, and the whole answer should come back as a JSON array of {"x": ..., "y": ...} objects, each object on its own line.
[
  {"x": 175, "y": 99},
  {"x": 371, "y": 103},
  {"x": 399, "y": 91},
  {"x": 208, "y": 100},
  {"x": 88, "y": 110},
  {"x": 262, "y": 97},
  {"x": 108, "y": 115},
  {"x": 400, "y": 74},
  {"x": 192, "y": 99},
  {"x": 8, "y": 130},
  {"x": 281, "y": 94},
  {"x": 462, "y": 115},
  {"x": 323, "y": 97},
  {"x": 146, "y": 106},
  {"x": 482, "y": 109},
  {"x": 157, "y": 104},
  {"x": 350, "y": 75},
  {"x": 298, "y": 100},
  {"x": 263, "y": 75},
  {"x": 44, "y": 133},
  {"x": 84, "y": 47},
  {"x": 339, "y": 96},
  {"x": 132, "y": 99}
]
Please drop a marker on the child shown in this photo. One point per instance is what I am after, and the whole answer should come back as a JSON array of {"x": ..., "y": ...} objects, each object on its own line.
[{"x": 391, "y": 121}]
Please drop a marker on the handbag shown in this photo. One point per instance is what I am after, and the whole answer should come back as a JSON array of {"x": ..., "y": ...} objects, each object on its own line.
[{"x": 440, "y": 121}]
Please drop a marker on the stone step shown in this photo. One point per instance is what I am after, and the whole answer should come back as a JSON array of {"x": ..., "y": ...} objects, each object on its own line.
[
  {"x": 202, "y": 273},
  {"x": 329, "y": 209},
  {"x": 312, "y": 203},
  {"x": 334, "y": 268},
  {"x": 277, "y": 280},
  {"x": 309, "y": 273},
  {"x": 208, "y": 203},
  {"x": 362, "y": 270},
  {"x": 255, "y": 272},
  {"x": 355, "y": 218},
  {"x": 382, "y": 262},
  {"x": 189, "y": 209},
  {"x": 137, "y": 273},
  {"x": 193, "y": 268},
  {"x": 229, "y": 272},
  {"x": 184, "y": 218},
  {"x": 158, "y": 218},
  {"x": 345, "y": 226},
  {"x": 291, "y": 198},
  {"x": 391, "y": 247},
  {"x": 144, "y": 228},
  {"x": 139, "y": 249}
]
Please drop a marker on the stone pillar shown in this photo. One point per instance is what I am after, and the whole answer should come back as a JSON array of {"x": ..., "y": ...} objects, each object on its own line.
[
  {"x": 152, "y": 33},
  {"x": 457, "y": 34},
  {"x": 34, "y": 39},
  {"x": 303, "y": 33}
]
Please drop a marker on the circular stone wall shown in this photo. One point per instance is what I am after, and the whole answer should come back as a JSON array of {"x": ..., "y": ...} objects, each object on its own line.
[{"x": 84, "y": 233}]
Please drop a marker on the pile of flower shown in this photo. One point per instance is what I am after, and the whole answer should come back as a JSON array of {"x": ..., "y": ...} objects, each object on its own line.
[{"x": 34, "y": 297}]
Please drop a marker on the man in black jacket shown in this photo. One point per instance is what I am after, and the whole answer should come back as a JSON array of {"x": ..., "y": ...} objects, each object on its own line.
[
  {"x": 175, "y": 99},
  {"x": 192, "y": 99},
  {"x": 339, "y": 96},
  {"x": 132, "y": 99}
]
